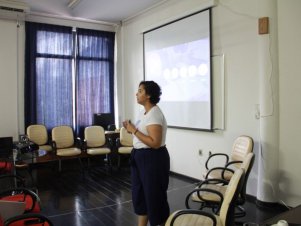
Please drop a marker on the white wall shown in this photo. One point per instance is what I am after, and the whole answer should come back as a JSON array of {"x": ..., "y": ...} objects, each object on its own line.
[
  {"x": 290, "y": 104},
  {"x": 10, "y": 39},
  {"x": 235, "y": 34}
]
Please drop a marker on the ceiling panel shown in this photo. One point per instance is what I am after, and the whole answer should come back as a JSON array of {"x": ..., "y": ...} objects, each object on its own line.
[{"x": 101, "y": 10}]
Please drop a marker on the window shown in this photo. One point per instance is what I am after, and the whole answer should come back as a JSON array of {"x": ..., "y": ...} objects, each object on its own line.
[{"x": 69, "y": 75}]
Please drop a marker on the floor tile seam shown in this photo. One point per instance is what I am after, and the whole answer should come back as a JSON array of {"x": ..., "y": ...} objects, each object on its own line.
[
  {"x": 90, "y": 209},
  {"x": 118, "y": 203},
  {"x": 186, "y": 186}
]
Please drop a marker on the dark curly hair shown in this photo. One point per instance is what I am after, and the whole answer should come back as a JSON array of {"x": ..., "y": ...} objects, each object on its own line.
[{"x": 153, "y": 90}]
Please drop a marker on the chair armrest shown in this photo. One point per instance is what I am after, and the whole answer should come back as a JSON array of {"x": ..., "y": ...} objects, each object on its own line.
[
  {"x": 53, "y": 145},
  {"x": 223, "y": 170},
  {"x": 110, "y": 142},
  {"x": 118, "y": 144},
  {"x": 197, "y": 212},
  {"x": 213, "y": 181},
  {"x": 214, "y": 155},
  {"x": 84, "y": 145},
  {"x": 79, "y": 143},
  {"x": 232, "y": 163},
  {"x": 198, "y": 190}
]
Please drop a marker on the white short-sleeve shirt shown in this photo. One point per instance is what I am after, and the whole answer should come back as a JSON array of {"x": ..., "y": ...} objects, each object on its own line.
[{"x": 153, "y": 117}]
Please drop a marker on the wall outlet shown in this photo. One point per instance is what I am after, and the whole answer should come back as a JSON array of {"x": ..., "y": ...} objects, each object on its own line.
[{"x": 200, "y": 152}]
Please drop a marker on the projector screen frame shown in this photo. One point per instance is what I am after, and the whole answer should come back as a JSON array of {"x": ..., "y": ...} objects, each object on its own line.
[{"x": 210, "y": 75}]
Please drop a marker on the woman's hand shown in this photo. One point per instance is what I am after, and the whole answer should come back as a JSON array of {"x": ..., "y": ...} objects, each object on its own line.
[{"x": 129, "y": 126}]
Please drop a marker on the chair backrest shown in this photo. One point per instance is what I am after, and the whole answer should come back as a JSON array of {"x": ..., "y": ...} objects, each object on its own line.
[
  {"x": 126, "y": 139},
  {"x": 37, "y": 134},
  {"x": 95, "y": 136},
  {"x": 234, "y": 187},
  {"x": 242, "y": 146},
  {"x": 63, "y": 136}
]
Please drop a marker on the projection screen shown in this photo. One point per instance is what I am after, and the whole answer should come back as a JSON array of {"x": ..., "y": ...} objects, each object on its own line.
[{"x": 177, "y": 57}]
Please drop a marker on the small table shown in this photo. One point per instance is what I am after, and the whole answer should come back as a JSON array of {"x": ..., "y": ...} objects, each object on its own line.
[
  {"x": 28, "y": 160},
  {"x": 31, "y": 157}
]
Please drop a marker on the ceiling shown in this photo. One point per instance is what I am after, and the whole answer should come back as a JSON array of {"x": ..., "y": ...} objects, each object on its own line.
[{"x": 112, "y": 11}]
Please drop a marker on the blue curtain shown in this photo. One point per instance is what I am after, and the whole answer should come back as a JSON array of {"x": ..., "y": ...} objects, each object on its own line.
[
  {"x": 48, "y": 75},
  {"x": 53, "y": 96},
  {"x": 95, "y": 76}
]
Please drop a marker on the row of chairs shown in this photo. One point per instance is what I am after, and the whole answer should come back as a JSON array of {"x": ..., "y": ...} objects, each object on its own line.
[
  {"x": 64, "y": 144},
  {"x": 223, "y": 189}
]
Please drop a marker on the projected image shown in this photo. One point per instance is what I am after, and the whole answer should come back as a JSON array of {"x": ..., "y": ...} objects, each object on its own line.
[
  {"x": 183, "y": 71},
  {"x": 177, "y": 57}
]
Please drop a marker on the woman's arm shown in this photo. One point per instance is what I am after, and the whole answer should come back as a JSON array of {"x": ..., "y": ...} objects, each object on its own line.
[{"x": 154, "y": 137}]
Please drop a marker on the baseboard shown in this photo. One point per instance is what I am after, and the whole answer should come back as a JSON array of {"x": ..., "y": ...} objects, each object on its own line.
[
  {"x": 184, "y": 177},
  {"x": 269, "y": 205}
]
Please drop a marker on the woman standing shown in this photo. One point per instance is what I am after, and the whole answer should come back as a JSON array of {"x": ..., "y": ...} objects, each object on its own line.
[{"x": 149, "y": 159}]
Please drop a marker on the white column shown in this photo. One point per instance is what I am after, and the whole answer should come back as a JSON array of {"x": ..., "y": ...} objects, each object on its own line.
[{"x": 267, "y": 187}]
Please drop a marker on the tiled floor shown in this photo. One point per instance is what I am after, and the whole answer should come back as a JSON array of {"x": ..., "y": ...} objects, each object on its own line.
[{"x": 100, "y": 197}]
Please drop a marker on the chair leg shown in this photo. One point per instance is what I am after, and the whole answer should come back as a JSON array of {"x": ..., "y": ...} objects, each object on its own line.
[
  {"x": 81, "y": 164},
  {"x": 109, "y": 162},
  {"x": 88, "y": 164},
  {"x": 118, "y": 161},
  {"x": 60, "y": 165}
]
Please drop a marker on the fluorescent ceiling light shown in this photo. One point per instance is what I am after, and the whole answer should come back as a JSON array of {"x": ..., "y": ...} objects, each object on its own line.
[{"x": 73, "y": 3}]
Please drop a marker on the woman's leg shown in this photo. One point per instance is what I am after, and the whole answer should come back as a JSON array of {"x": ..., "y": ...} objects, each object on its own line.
[
  {"x": 155, "y": 185},
  {"x": 142, "y": 220}
]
